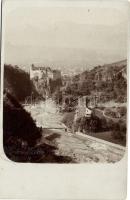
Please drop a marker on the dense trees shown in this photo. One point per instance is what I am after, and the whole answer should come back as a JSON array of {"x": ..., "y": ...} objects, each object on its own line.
[
  {"x": 18, "y": 83},
  {"x": 120, "y": 88},
  {"x": 110, "y": 82}
]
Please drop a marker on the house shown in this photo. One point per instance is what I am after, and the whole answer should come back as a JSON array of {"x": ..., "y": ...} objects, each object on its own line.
[
  {"x": 88, "y": 112},
  {"x": 83, "y": 107},
  {"x": 37, "y": 72},
  {"x": 44, "y": 73}
]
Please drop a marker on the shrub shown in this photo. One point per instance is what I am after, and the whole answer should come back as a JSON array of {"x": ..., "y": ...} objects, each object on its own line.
[
  {"x": 18, "y": 82},
  {"x": 18, "y": 123},
  {"x": 119, "y": 130}
]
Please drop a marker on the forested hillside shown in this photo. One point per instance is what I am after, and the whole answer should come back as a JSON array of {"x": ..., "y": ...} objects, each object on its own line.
[
  {"x": 17, "y": 82},
  {"x": 104, "y": 80}
]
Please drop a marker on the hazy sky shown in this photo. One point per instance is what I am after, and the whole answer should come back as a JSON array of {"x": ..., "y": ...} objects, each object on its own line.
[{"x": 66, "y": 36}]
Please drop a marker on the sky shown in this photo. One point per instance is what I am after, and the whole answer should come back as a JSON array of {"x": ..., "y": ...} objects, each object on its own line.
[{"x": 66, "y": 37}]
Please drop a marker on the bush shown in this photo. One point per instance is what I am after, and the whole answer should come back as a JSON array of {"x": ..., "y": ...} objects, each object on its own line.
[
  {"x": 18, "y": 82},
  {"x": 119, "y": 130},
  {"x": 85, "y": 124},
  {"x": 18, "y": 123}
]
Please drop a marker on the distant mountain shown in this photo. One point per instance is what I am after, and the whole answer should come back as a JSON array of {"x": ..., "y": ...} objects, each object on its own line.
[{"x": 63, "y": 57}]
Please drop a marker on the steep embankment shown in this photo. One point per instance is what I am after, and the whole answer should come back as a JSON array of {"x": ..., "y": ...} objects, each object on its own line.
[
  {"x": 19, "y": 129},
  {"x": 23, "y": 140},
  {"x": 17, "y": 82}
]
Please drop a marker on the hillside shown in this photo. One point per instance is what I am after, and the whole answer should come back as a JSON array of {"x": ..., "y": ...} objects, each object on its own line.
[
  {"x": 107, "y": 80},
  {"x": 17, "y": 82},
  {"x": 19, "y": 129},
  {"x": 23, "y": 141}
]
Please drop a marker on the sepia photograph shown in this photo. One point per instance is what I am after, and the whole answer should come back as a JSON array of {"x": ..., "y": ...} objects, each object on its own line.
[{"x": 65, "y": 83}]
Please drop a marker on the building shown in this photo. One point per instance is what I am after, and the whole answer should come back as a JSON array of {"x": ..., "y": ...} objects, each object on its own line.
[
  {"x": 41, "y": 72},
  {"x": 38, "y": 72},
  {"x": 88, "y": 113},
  {"x": 42, "y": 76},
  {"x": 83, "y": 108}
]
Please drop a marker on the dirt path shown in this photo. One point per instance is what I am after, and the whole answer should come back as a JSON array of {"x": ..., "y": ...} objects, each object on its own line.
[{"x": 78, "y": 147}]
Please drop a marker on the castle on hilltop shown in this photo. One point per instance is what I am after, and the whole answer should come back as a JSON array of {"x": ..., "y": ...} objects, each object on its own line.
[{"x": 44, "y": 73}]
